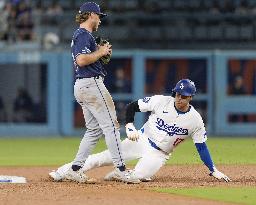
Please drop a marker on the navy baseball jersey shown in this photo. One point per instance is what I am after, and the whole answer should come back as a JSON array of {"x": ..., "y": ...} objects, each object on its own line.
[{"x": 84, "y": 43}]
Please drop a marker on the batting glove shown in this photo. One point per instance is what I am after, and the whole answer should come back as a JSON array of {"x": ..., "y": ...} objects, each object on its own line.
[
  {"x": 219, "y": 175},
  {"x": 131, "y": 132}
]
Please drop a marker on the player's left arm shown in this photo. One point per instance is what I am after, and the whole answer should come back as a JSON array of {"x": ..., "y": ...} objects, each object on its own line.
[
  {"x": 199, "y": 137},
  {"x": 206, "y": 158},
  {"x": 141, "y": 105}
]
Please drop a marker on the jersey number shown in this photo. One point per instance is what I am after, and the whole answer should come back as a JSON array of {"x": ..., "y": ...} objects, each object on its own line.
[{"x": 177, "y": 141}]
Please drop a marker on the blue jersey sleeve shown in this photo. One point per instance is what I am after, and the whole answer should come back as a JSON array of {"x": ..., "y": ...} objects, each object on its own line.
[
  {"x": 82, "y": 44},
  {"x": 205, "y": 155}
]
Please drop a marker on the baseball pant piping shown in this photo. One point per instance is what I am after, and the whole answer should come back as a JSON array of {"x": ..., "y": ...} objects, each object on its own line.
[{"x": 112, "y": 124}]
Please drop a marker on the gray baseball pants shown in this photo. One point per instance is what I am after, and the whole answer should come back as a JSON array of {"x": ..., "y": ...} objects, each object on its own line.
[{"x": 100, "y": 118}]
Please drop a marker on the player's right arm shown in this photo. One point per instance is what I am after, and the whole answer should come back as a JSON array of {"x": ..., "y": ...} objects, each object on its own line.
[
  {"x": 131, "y": 131},
  {"x": 82, "y": 53},
  {"x": 87, "y": 59},
  {"x": 142, "y": 105},
  {"x": 131, "y": 109}
]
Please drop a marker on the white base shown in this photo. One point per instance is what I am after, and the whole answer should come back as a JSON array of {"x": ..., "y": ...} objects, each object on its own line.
[{"x": 12, "y": 179}]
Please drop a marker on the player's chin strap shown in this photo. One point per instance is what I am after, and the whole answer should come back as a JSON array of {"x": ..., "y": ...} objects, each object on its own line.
[{"x": 173, "y": 94}]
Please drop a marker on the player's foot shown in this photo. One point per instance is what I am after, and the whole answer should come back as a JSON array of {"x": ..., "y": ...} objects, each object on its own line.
[
  {"x": 125, "y": 176},
  {"x": 146, "y": 179},
  {"x": 55, "y": 176},
  {"x": 78, "y": 176}
]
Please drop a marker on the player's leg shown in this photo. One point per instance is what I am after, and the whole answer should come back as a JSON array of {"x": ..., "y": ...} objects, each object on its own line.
[
  {"x": 97, "y": 160},
  {"x": 74, "y": 172},
  {"x": 106, "y": 116},
  {"x": 60, "y": 173},
  {"x": 99, "y": 101},
  {"x": 131, "y": 150},
  {"x": 91, "y": 136},
  {"x": 150, "y": 163},
  {"x": 84, "y": 94},
  {"x": 90, "y": 139}
]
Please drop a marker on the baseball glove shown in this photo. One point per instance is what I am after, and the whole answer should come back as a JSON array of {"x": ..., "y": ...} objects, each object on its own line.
[{"x": 100, "y": 41}]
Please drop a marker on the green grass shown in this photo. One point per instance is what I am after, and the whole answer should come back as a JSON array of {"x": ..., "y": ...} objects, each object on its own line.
[
  {"x": 242, "y": 195},
  {"x": 56, "y": 151},
  {"x": 40, "y": 151},
  {"x": 223, "y": 151}
]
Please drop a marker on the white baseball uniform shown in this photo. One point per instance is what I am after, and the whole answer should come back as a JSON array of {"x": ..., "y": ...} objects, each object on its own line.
[{"x": 165, "y": 128}]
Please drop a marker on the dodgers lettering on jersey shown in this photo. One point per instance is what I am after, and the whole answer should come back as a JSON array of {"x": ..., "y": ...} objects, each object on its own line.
[
  {"x": 84, "y": 43},
  {"x": 170, "y": 129},
  {"x": 166, "y": 127}
]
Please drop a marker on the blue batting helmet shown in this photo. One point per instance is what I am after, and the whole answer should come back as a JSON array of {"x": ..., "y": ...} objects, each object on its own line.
[{"x": 185, "y": 87}]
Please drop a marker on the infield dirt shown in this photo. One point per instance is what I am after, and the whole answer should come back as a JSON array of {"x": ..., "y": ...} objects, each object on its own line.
[{"x": 41, "y": 190}]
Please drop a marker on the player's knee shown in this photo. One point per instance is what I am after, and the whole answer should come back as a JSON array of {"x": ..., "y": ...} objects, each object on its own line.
[
  {"x": 110, "y": 129},
  {"x": 93, "y": 131},
  {"x": 110, "y": 124},
  {"x": 93, "y": 128}
]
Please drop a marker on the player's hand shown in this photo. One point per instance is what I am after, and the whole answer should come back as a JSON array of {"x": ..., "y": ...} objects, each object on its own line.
[
  {"x": 219, "y": 175},
  {"x": 131, "y": 132},
  {"x": 105, "y": 49}
]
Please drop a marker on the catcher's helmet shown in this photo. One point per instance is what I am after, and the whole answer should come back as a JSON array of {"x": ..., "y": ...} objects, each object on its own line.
[{"x": 185, "y": 87}]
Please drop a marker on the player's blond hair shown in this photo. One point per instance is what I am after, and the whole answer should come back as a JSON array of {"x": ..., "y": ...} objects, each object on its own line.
[{"x": 82, "y": 17}]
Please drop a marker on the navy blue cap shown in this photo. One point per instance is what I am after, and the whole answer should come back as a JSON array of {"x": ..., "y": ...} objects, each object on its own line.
[{"x": 91, "y": 7}]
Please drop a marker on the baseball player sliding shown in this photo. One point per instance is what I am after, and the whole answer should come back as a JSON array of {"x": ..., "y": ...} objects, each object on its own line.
[{"x": 172, "y": 120}]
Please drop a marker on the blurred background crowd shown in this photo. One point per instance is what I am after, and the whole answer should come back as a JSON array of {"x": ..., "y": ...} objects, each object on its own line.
[
  {"x": 149, "y": 24},
  {"x": 159, "y": 41}
]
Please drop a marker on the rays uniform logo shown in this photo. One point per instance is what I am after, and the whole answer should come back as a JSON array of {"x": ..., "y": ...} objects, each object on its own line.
[{"x": 170, "y": 129}]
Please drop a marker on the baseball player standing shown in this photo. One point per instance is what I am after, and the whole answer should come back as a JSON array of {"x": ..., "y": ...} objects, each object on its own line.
[
  {"x": 91, "y": 93},
  {"x": 172, "y": 120}
]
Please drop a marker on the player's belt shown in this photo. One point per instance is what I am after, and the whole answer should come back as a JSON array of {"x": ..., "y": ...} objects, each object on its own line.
[
  {"x": 95, "y": 77},
  {"x": 154, "y": 145}
]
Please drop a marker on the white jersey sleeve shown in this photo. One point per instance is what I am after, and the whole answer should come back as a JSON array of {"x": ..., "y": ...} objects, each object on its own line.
[
  {"x": 149, "y": 103},
  {"x": 199, "y": 134}
]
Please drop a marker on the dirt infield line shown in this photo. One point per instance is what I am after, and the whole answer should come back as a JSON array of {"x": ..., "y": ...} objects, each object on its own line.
[{"x": 41, "y": 190}]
